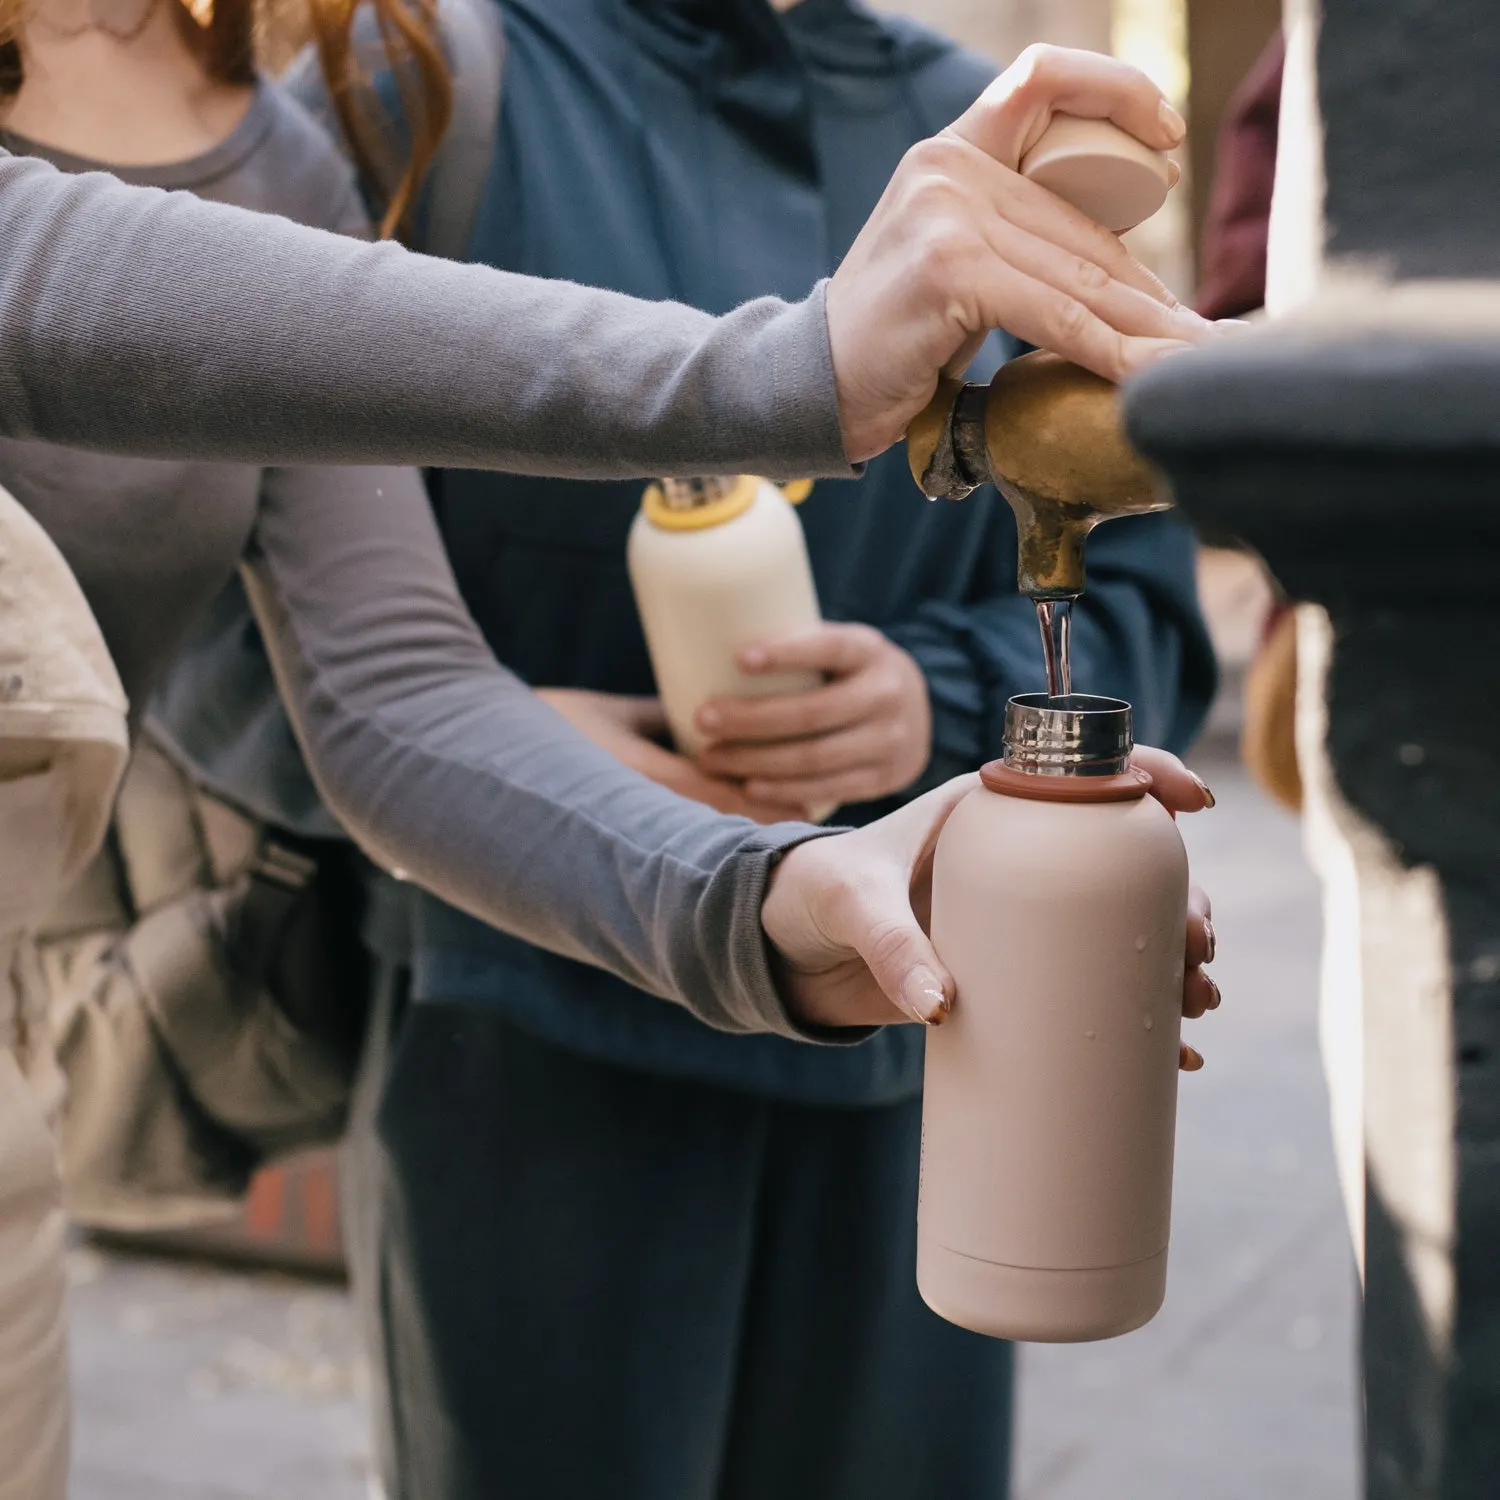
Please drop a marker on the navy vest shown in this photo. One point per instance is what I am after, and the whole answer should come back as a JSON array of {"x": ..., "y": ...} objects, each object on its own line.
[
  {"x": 706, "y": 151},
  {"x": 712, "y": 151}
]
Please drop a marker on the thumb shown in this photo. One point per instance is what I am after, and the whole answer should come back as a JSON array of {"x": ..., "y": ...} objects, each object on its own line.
[
  {"x": 958, "y": 366},
  {"x": 1172, "y": 784},
  {"x": 904, "y": 963},
  {"x": 910, "y": 833},
  {"x": 645, "y": 716},
  {"x": 889, "y": 938}
]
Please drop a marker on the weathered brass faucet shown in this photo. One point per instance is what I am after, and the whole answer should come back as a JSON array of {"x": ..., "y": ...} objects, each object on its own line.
[{"x": 1047, "y": 433}]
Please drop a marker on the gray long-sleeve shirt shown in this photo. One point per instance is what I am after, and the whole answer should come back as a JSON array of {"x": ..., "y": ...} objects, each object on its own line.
[
  {"x": 190, "y": 332},
  {"x": 133, "y": 321}
]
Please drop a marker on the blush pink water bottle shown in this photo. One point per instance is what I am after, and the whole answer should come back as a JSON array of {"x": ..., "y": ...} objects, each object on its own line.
[{"x": 1060, "y": 904}]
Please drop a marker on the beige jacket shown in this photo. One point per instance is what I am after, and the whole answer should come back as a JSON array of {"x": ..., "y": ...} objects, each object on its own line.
[{"x": 62, "y": 752}]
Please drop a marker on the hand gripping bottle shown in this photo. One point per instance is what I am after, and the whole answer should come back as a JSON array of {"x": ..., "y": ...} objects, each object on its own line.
[
  {"x": 1059, "y": 902},
  {"x": 716, "y": 565}
]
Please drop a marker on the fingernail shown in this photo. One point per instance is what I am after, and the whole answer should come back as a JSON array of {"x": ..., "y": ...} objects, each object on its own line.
[
  {"x": 922, "y": 997},
  {"x": 708, "y": 719},
  {"x": 1191, "y": 1059},
  {"x": 1214, "y": 999},
  {"x": 1210, "y": 941},
  {"x": 752, "y": 658},
  {"x": 1209, "y": 800},
  {"x": 1171, "y": 121}
]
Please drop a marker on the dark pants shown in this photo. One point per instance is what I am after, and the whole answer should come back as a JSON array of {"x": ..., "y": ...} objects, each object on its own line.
[{"x": 593, "y": 1284}]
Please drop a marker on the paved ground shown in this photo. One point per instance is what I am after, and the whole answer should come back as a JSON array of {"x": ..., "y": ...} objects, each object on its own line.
[
  {"x": 198, "y": 1384},
  {"x": 203, "y": 1385},
  {"x": 1243, "y": 1387}
]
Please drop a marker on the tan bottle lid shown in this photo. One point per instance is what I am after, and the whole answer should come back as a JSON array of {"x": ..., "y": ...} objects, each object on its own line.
[{"x": 1101, "y": 170}]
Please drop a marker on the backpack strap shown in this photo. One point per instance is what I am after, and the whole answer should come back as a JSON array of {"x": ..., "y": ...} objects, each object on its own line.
[{"x": 474, "y": 41}]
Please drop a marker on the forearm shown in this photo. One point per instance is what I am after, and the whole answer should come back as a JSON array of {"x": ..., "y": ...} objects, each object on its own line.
[
  {"x": 141, "y": 322},
  {"x": 445, "y": 767}
]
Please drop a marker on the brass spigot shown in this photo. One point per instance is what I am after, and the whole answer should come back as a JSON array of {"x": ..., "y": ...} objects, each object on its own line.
[{"x": 1047, "y": 433}]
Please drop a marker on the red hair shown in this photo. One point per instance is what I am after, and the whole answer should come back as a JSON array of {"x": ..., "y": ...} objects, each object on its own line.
[{"x": 413, "y": 50}]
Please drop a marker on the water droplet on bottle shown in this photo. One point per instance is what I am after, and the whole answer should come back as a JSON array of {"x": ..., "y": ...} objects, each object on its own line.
[
  {"x": 1091, "y": 1035},
  {"x": 1140, "y": 943},
  {"x": 1148, "y": 1022}
]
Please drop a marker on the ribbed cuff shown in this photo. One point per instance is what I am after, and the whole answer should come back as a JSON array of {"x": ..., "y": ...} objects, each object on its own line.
[
  {"x": 806, "y": 431},
  {"x": 754, "y": 1001}
]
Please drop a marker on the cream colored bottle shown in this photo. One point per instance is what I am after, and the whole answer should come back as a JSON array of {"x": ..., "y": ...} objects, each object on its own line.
[
  {"x": 1059, "y": 903},
  {"x": 717, "y": 564}
]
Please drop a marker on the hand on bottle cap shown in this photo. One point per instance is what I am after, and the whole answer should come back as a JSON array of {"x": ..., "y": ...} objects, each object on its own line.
[{"x": 960, "y": 244}]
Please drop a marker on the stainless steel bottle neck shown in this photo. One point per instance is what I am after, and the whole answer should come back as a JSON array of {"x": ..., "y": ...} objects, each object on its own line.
[
  {"x": 1076, "y": 735},
  {"x": 691, "y": 494}
]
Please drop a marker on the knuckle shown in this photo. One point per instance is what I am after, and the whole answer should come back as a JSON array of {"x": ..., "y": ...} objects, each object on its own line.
[
  {"x": 922, "y": 163},
  {"x": 1070, "y": 320},
  {"x": 888, "y": 941},
  {"x": 1115, "y": 356},
  {"x": 927, "y": 188},
  {"x": 1088, "y": 277},
  {"x": 931, "y": 160},
  {"x": 930, "y": 197},
  {"x": 813, "y": 759},
  {"x": 1036, "y": 60},
  {"x": 845, "y": 896},
  {"x": 801, "y": 719},
  {"x": 943, "y": 257}
]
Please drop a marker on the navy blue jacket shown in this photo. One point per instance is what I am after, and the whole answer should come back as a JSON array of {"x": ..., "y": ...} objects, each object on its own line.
[{"x": 711, "y": 151}]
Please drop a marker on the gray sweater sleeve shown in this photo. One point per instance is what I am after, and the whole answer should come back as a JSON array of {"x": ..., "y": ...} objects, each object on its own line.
[
  {"x": 443, "y": 766},
  {"x": 152, "y": 323}
]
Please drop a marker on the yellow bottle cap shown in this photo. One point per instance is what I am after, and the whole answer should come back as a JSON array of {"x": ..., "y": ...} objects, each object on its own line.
[{"x": 732, "y": 500}]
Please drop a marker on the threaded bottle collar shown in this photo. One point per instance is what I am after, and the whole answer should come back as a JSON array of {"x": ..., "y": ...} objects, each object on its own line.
[
  {"x": 1077, "y": 735},
  {"x": 697, "y": 492}
]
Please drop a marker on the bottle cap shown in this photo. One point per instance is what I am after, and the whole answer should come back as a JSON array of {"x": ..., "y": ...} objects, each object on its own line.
[
  {"x": 1102, "y": 170},
  {"x": 692, "y": 494},
  {"x": 697, "y": 504},
  {"x": 1075, "y": 735}
]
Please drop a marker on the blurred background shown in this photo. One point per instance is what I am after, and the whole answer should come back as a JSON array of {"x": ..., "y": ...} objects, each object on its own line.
[{"x": 225, "y": 1366}]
